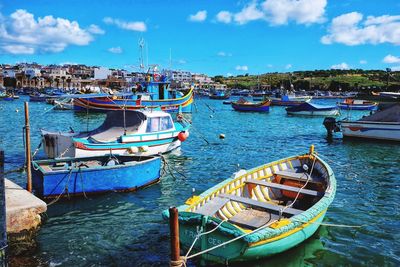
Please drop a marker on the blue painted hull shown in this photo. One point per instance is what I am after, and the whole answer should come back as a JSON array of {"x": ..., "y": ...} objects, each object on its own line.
[
  {"x": 251, "y": 109},
  {"x": 358, "y": 107},
  {"x": 139, "y": 172}
]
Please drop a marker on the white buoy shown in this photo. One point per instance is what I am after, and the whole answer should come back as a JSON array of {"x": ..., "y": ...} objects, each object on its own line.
[
  {"x": 16, "y": 110},
  {"x": 221, "y": 136}
]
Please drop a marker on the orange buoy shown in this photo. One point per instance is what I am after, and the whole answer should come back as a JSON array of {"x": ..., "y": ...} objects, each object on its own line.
[{"x": 182, "y": 136}]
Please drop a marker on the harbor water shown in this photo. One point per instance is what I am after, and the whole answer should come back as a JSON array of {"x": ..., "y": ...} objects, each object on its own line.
[{"x": 126, "y": 229}]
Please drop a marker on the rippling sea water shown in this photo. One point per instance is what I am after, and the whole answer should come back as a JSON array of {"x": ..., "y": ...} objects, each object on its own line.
[{"x": 126, "y": 229}]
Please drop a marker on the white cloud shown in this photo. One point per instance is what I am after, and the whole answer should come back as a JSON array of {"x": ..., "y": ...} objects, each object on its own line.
[
  {"x": 138, "y": 26},
  {"x": 248, "y": 13},
  {"x": 199, "y": 16},
  {"x": 224, "y": 16},
  {"x": 391, "y": 59},
  {"x": 242, "y": 68},
  {"x": 279, "y": 12},
  {"x": 18, "y": 49},
  {"x": 224, "y": 54},
  {"x": 341, "y": 66},
  {"x": 269, "y": 66},
  {"x": 95, "y": 29},
  {"x": 229, "y": 74},
  {"x": 288, "y": 66},
  {"x": 115, "y": 50},
  {"x": 182, "y": 61},
  {"x": 395, "y": 68},
  {"x": 348, "y": 29},
  {"x": 22, "y": 33},
  {"x": 363, "y": 61}
]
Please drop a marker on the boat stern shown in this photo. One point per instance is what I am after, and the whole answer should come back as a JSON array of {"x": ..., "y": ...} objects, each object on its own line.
[{"x": 58, "y": 144}]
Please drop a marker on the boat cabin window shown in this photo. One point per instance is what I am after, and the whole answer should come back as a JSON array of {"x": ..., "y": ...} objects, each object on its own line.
[{"x": 157, "y": 124}]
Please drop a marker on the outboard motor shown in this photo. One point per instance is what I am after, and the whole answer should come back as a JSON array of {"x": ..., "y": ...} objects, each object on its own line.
[{"x": 331, "y": 126}]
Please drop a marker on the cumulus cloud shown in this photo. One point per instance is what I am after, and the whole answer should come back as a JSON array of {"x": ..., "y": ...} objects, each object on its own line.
[
  {"x": 363, "y": 61},
  {"x": 224, "y": 16},
  {"x": 395, "y": 68},
  {"x": 242, "y": 68},
  {"x": 288, "y": 66},
  {"x": 278, "y": 12},
  {"x": 115, "y": 50},
  {"x": 341, "y": 66},
  {"x": 138, "y": 26},
  {"x": 22, "y": 33},
  {"x": 350, "y": 29},
  {"x": 248, "y": 13},
  {"x": 391, "y": 59},
  {"x": 95, "y": 29},
  {"x": 199, "y": 16},
  {"x": 224, "y": 54}
]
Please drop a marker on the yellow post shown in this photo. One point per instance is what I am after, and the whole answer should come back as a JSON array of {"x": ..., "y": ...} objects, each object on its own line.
[{"x": 311, "y": 149}]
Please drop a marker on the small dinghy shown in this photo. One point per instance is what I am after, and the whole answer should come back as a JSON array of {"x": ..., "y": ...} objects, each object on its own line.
[
  {"x": 311, "y": 109},
  {"x": 77, "y": 176},
  {"x": 354, "y": 104},
  {"x": 244, "y": 105},
  {"x": 259, "y": 212}
]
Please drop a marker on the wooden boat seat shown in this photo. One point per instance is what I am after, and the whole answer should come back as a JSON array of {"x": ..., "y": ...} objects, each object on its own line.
[
  {"x": 285, "y": 187},
  {"x": 212, "y": 206},
  {"x": 263, "y": 205},
  {"x": 298, "y": 176},
  {"x": 253, "y": 219}
]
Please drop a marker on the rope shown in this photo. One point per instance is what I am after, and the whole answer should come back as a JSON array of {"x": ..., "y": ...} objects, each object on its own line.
[
  {"x": 334, "y": 225},
  {"x": 37, "y": 149},
  {"x": 298, "y": 193},
  {"x": 65, "y": 188}
]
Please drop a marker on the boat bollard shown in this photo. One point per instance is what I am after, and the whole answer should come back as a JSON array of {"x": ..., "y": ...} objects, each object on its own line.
[{"x": 174, "y": 234}]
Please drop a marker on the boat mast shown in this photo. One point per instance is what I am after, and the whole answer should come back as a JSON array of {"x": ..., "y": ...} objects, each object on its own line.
[{"x": 141, "y": 46}]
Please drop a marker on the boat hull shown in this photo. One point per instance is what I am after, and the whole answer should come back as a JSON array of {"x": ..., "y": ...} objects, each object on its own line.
[
  {"x": 83, "y": 180},
  {"x": 259, "y": 107},
  {"x": 371, "y": 130},
  {"x": 103, "y": 104},
  {"x": 357, "y": 107},
  {"x": 334, "y": 112}
]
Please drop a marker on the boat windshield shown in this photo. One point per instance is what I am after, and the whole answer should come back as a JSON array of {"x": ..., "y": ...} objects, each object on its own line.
[{"x": 157, "y": 124}]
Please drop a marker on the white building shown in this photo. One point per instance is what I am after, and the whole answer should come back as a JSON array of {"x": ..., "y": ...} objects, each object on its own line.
[
  {"x": 101, "y": 73},
  {"x": 9, "y": 73},
  {"x": 181, "y": 76},
  {"x": 32, "y": 72},
  {"x": 201, "y": 78}
]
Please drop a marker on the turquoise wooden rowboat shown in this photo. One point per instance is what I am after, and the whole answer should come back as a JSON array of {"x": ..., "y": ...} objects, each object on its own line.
[{"x": 265, "y": 210}]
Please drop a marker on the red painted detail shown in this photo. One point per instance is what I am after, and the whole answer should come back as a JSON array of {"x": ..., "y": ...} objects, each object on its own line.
[{"x": 354, "y": 128}]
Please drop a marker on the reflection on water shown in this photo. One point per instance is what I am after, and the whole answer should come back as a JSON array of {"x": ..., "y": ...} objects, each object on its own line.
[{"x": 126, "y": 229}]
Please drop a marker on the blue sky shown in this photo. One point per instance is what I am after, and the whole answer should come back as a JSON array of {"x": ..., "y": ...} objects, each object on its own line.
[{"x": 212, "y": 37}]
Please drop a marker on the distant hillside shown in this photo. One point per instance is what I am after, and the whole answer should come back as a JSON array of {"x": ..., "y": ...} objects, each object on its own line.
[{"x": 334, "y": 80}]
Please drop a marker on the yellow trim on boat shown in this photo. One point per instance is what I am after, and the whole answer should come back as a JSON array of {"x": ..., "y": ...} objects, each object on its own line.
[{"x": 288, "y": 233}]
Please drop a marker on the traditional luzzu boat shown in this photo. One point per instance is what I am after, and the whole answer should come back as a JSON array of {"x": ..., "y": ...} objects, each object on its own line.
[
  {"x": 92, "y": 175},
  {"x": 354, "y": 104},
  {"x": 244, "y": 105},
  {"x": 152, "y": 93},
  {"x": 259, "y": 212},
  {"x": 382, "y": 125},
  {"x": 219, "y": 94},
  {"x": 143, "y": 133},
  {"x": 311, "y": 109}
]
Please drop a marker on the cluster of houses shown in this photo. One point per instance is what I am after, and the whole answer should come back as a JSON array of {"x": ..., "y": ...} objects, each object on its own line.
[{"x": 78, "y": 76}]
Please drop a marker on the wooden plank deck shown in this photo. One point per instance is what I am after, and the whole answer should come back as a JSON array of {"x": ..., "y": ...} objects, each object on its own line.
[
  {"x": 212, "y": 206},
  {"x": 270, "y": 207},
  {"x": 285, "y": 187}
]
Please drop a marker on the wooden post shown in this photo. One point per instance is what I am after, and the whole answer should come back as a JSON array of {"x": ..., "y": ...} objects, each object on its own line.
[
  {"x": 28, "y": 150},
  {"x": 174, "y": 232}
]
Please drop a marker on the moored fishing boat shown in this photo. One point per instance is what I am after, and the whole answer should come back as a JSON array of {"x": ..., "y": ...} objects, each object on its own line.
[
  {"x": 219, "y": 94},
  {"x": 311, "y": 109},
  {"x": 354, "y": 104},
  {"x": 289, "y": 100},
  {"x": 77, "y": 176},
  {"x": 259, "y": 212},
  {"x": 147, "y": 132},
  {"x": 152, "y": 93},
  {"x": 382, "y": 125},
  {"x": 244, "y": 105}
]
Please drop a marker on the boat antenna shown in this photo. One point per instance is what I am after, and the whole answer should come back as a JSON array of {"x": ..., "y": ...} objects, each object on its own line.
[{"x": 141, "y": 46}]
